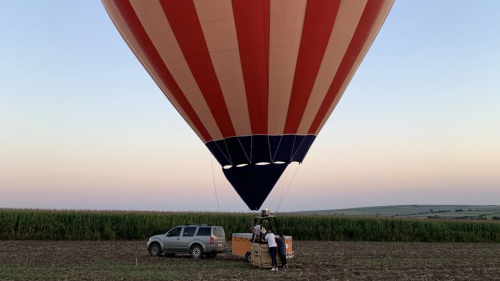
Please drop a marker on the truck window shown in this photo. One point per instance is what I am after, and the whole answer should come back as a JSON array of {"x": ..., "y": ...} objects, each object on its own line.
[
  {"x": 174, "y": 232},
  {"x": 189, "y": 232},
  {"x": 219, "y": 231},
  {"x": 203, "y": 231}
]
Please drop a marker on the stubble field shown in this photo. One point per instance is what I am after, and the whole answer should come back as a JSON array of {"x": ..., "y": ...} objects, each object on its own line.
[{"x": 129, "y": 260}]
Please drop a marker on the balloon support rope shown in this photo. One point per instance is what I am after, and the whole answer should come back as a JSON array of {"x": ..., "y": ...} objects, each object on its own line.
[
  {"x": 277, "y": 190},
  {"x": 213, "y": 178},
  {"x": 287, "y": 188}
]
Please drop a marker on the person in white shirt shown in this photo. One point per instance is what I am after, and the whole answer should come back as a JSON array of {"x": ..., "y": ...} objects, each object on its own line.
[
  {"x": 255, "y": 231},
  {"x": 273, "y": 248},
  {"x": 258, "y": 232},
  {"x": 262, "y": 233}
]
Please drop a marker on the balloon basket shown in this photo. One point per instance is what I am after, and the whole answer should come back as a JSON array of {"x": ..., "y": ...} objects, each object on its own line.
[
  {"x": 257, "y": 253},
  {"x": 261, "y": 257}
]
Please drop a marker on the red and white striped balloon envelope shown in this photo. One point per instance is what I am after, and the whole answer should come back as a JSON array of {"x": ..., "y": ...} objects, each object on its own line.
[{"x": 256, "y": 80}]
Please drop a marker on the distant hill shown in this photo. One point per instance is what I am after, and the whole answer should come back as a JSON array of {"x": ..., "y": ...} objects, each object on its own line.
[{"x": 418, "y": 211}]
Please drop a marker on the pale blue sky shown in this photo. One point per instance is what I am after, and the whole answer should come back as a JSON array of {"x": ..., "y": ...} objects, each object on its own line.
[{"x": 82, "y": 125}]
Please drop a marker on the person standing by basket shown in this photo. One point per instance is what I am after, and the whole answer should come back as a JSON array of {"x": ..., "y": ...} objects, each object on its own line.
[
  {"x": 258, "y": 231},
  {"x": 255, "y": 233},
  {"x": 280, "y": 241},
  {"x": 273, "y": 248}
]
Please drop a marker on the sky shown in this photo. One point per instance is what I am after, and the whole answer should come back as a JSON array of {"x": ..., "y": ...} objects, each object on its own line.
[{"x": 83, "y": 126}]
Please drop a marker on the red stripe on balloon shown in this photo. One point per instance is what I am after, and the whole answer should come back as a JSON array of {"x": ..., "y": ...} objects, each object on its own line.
[
  {"x": 318, "y": 24},
  {"x": 134, "y": 24},
  {"x": 186, "y": 26},
  {"x": 365, "y": 25},
  {"x": 252, "y": 19}
]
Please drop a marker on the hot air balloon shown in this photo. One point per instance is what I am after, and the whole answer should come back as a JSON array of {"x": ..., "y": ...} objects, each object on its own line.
[{"x": 256, "y": 80}]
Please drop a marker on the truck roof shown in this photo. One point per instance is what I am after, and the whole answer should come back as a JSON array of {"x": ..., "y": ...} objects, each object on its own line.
[{"x": 198, "y": 224}]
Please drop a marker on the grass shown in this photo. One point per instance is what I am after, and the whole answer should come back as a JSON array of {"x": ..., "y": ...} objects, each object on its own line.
[
  {"x": 28, "y": 224},
  {"x": 116, "y": 270},
  {"x": 416, "y": 211},
  {"x": 129, "y": 260}
]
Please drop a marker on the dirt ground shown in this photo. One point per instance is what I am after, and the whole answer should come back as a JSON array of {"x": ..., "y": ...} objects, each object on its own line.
[{"x": 59, "y": 260}]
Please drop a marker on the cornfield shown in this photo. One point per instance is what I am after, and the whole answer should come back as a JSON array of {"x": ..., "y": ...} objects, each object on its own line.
[{"x": 29, "y": 224}]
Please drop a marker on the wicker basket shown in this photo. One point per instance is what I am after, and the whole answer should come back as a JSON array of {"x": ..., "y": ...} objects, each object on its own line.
[
  {"x": 241, "y": 244},
  {"x": 261, "y": 256}
]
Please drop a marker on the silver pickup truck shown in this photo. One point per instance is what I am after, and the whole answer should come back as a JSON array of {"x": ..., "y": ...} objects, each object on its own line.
[{"x": 194, "y": 239}]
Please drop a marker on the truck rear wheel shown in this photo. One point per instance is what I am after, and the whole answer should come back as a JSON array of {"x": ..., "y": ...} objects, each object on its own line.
[{"x": 196, "y": 251}]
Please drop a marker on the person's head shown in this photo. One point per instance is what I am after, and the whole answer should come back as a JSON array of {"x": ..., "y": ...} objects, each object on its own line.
[
  {"x": 269, "y": 231},
  {"x": 280, "y": 234}
]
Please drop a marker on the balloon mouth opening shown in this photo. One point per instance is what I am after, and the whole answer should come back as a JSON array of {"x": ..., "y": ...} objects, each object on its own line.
[{"x": 227, "y": 167}]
